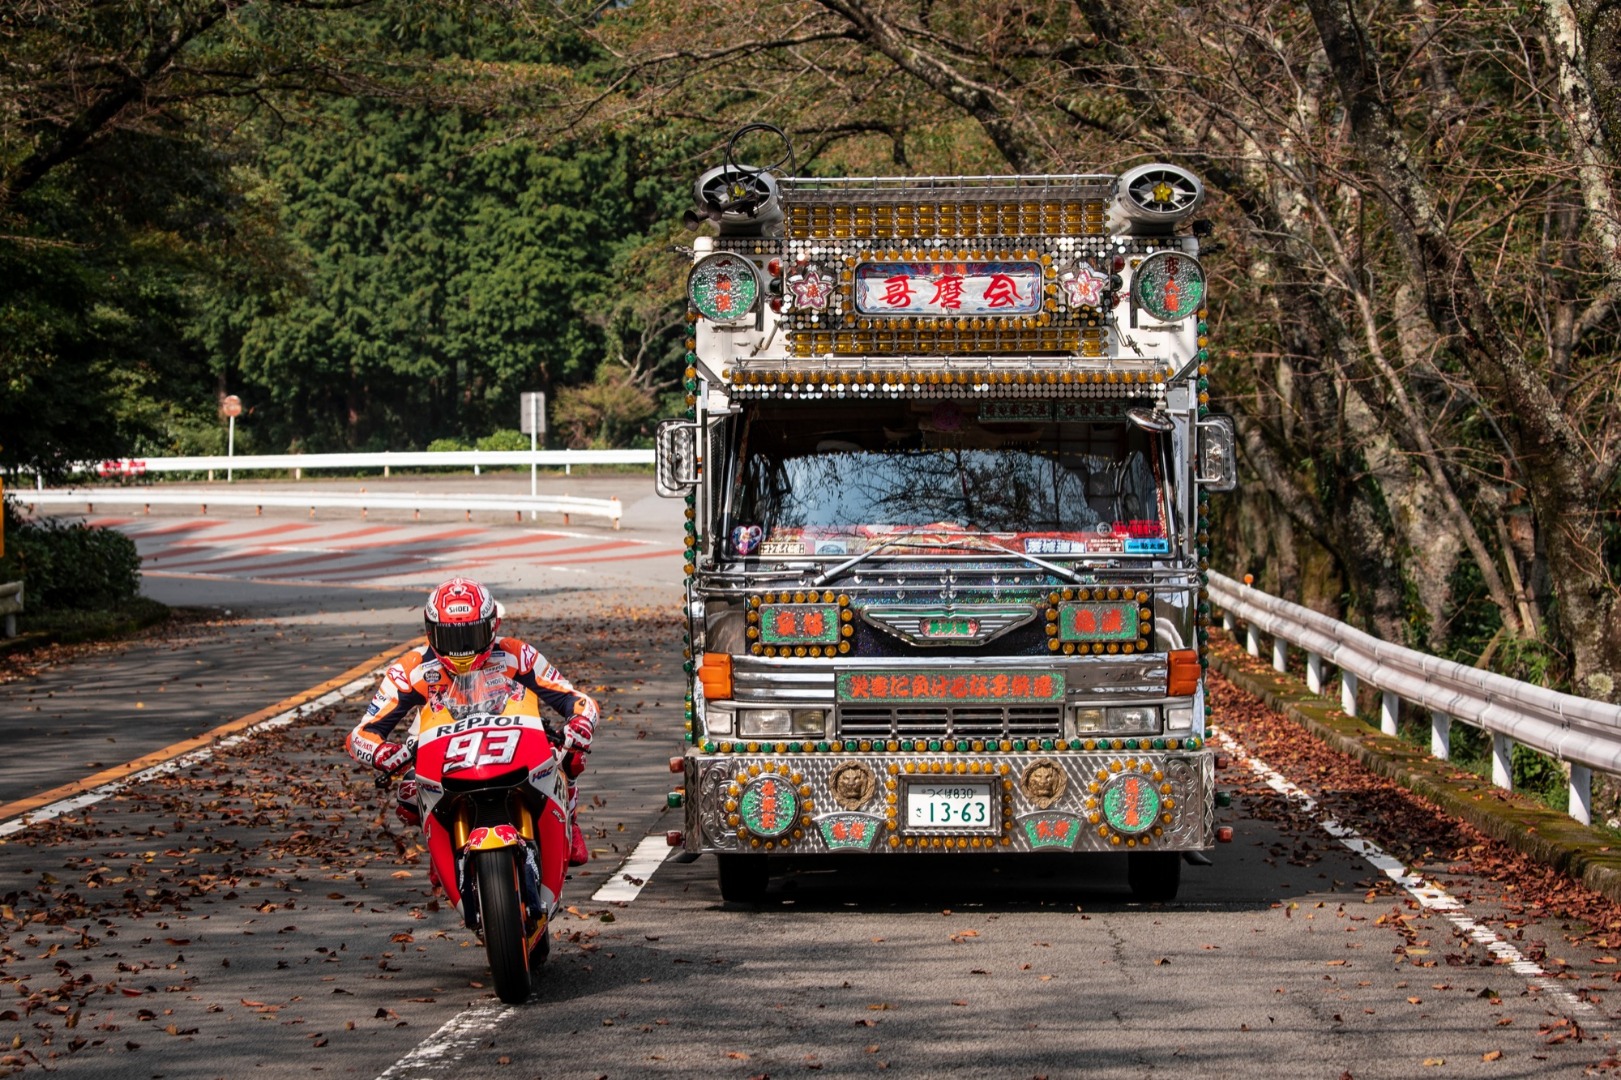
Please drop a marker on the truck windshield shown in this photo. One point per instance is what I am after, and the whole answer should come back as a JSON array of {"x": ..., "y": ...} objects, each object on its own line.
[{"x": 820, "y": 469}]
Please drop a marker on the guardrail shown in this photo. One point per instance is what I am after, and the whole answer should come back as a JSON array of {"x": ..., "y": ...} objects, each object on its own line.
[
  {"x": 386, "y": 461},
  {"x": 11, "y": 604},
  {"x": 148, "y": 497},
  {"x": 1582, "y": 732}
]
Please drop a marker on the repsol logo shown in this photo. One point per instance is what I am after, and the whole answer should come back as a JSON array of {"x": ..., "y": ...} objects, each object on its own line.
[{"x": 485, "y": 721}]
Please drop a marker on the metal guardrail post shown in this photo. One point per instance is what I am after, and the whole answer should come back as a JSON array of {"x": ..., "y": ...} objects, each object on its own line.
[
  {"x": 1314, "y": 673},
  {"x": 1347, "y": 693},
  {"x": 1280, "y": 654},
  {"x": 1503, "y": 761},
  {"x": 1389, "y": 713},
  {"x": 1440, "y": 735},
  {"x": 1252, "y": 641},
  {"x": 11, "y": 602},
  {"x": 1581, "y": 793}
]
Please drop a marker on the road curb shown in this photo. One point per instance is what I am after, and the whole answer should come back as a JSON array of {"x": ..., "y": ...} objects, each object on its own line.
[
  {"x": 23, "y": 806},
  {"x": 1543, "y": 834}
]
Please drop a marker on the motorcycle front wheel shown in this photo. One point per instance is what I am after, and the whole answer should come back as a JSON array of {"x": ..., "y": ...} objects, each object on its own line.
[{"x": 501, "y": 915}]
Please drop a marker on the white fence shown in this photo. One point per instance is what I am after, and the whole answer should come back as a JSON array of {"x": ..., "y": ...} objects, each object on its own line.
[
  {"x": 414, "y": 459},
  {"x": 1580, "y": 731},
  {"x": 202, "y": 498}
]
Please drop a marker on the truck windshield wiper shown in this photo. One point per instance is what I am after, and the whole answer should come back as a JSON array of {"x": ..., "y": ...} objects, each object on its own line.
[
  {"x": 887, "y": 542},
  {"x": 972, "y": 542}
]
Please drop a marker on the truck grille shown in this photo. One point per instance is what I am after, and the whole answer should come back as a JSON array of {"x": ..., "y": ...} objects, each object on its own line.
[{"x": 946, "y": 721}]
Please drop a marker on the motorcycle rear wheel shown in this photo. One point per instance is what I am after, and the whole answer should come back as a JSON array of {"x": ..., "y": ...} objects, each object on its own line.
[{"x": 501, "y": 916}]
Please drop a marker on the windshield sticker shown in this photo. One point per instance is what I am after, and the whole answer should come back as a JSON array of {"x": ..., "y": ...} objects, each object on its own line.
[
  {"x": 782, "y": 547},
  {"x": 1052, "y": 545},
  {"x": 1014, "y": 411},
  {"x": 945, "y": 687},
  {"x": 745, "y": 538},
  {"x": 949, "y": 288}
]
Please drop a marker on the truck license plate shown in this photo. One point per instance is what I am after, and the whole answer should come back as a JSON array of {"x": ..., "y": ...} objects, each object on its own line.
[{"x": 957, "y": 805}]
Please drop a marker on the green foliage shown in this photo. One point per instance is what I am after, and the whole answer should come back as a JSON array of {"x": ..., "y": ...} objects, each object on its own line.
[
  {"x": 505, "y": 439},
  {"x": 612, "y": 411},
  {"x": 67, "y": 566},
  {"x": 446, "y": 446}
]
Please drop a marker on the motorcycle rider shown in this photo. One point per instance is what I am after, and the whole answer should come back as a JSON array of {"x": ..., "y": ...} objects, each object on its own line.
[{"x": 461, "y": 618}]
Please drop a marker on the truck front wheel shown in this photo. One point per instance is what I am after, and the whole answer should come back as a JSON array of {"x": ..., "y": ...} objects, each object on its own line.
[
  {"x": 743, "y": 878},
  {"x": 1154, "y": 876}
]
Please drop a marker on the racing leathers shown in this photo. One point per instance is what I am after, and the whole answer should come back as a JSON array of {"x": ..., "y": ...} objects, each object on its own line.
[{"x": 418, "y": 675}]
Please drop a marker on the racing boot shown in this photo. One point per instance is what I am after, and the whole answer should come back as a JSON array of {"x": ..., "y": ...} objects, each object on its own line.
[
  {"x": 407, "y": 809},
  {"x": 578, "y": 853}
]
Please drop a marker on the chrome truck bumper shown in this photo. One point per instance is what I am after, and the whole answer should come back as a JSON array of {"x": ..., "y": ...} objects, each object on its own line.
[{"x": 815, "y": 803}]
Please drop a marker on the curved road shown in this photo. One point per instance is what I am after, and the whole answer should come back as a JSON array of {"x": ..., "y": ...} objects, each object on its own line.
[{"x": 255, "y": 912}]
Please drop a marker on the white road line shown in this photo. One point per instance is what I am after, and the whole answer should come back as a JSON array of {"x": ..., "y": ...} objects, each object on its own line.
[
  {"x": 633, "y": 873},
  {"x": 442, "y": 1052},
  {"x": 1430, "y": 896},
  {"x": 95, "y": 795},
  {"x": 444, "y": 1049}
]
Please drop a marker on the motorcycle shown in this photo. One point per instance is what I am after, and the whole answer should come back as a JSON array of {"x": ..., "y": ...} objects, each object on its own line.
[{"x": 493, "y": 792}]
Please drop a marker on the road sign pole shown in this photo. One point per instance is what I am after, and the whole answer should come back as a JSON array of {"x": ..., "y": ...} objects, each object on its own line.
[
  {"x": 534, "y": 480},
  {"x": 230, "y": 445}
]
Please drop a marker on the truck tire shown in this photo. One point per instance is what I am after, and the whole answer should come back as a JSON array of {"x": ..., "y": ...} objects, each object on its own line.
[
  {"x": 501, "y": 919},
  {"x": 1154, "y": 876},
  {"x": 743, "y": 878}
]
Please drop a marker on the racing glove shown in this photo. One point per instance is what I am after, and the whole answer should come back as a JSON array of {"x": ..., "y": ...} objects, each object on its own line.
[
  {"x": 390, "y": 756},
  {"x": 577, "y": 734}
]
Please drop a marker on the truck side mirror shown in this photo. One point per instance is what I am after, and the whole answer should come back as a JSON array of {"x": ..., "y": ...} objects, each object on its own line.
[
  {"x": 675, "y": 453},
  {"x": 1218, "y": 453}
]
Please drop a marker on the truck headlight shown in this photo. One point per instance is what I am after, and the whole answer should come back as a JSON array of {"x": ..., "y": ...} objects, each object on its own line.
[
  {"x": 1179, "y": 719},
  {"x": 781, "y": 723},
  {"x": 1088, "y": 719},
  {"x": 1133, "y": 718},
  {"x": 719, "y": 719}
]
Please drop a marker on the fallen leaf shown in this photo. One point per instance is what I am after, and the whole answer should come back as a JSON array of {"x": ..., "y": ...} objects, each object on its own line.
[
  {"x": 1430, "y": 1062},
  {"x": 1491, "y": 1055}
]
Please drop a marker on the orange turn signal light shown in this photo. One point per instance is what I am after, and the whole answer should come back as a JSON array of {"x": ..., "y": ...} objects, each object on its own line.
[
  {"x": 1183, "y": 679},
  {"x": 715, "y": 673}
]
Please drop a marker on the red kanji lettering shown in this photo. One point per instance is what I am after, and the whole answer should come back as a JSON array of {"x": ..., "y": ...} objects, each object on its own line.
[
  {"x": 858, "y": 830},
  {"x": 1044, "y": 686},
  {"x": 1112, "y": 621},
  {"x": 959, "y": 687},
  {"x": 978, "y": 686},
  {"x": 920, "y": 686},
  {"x": 1021, "y": 686},
  {"x": 1003, "y": 291},
  {"x": 939, "y": 685},
  {"x": 999, "y": 686},
  {"x": 880, "y": 686},
  {"x": 815, "y": 623},
  {"x": 900, "y": 686},
  {"x": 785, "y": 624},
  {"x": 948, "y": 292},
  {"x": 897, "y": 291},
  {"x": 839, "y": 830},
  {"x": 860, "y": 686}
]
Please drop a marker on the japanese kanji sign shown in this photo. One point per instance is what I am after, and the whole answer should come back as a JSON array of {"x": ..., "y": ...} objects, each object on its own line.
[
  {"x": 949, "y": 687},
  {"x": 949, "y": 288}
]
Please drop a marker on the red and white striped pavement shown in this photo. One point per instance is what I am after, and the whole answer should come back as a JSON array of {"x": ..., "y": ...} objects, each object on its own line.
[{"x": 372, "y": 555}]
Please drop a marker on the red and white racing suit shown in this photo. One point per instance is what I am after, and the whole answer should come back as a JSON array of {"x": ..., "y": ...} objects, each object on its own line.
[{"x": 410, "y": 680}]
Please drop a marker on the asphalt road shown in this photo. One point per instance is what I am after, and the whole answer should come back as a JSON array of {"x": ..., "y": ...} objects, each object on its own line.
[{"x": 256, "y": 912}]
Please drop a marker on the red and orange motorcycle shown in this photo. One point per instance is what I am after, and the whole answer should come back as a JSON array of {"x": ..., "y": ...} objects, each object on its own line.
[{"x": 493, "y": 792}]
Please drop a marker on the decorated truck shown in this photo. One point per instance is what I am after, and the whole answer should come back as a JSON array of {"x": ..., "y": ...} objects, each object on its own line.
[{"x": 946, "y": 463}]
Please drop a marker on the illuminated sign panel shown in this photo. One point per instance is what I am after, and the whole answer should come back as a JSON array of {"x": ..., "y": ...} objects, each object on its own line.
[
  {"x": 950, "y": 687},
  {"x": 949, "y": 288}
]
